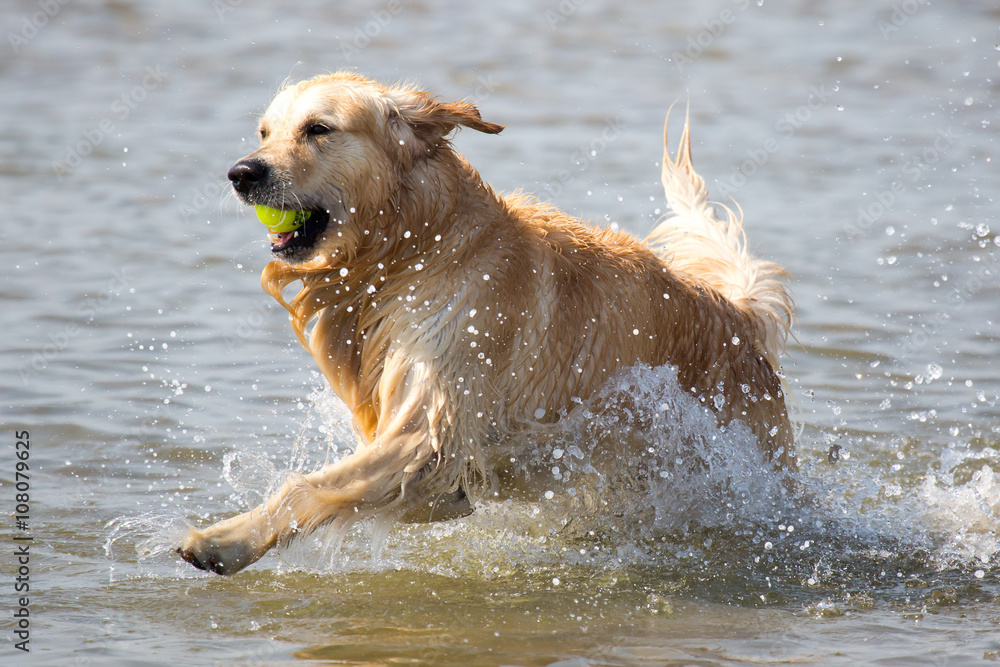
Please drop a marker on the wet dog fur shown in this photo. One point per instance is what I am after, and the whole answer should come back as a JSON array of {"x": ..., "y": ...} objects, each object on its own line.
[{"x": 448, "y": 317}]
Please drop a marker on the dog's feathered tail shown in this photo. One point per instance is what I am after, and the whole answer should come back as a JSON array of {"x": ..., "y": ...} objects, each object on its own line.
[{"x": 695, "y": 243}]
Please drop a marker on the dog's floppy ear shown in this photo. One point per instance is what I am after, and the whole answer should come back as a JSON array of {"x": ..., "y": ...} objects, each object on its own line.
[{"x": 429, "y": 121}]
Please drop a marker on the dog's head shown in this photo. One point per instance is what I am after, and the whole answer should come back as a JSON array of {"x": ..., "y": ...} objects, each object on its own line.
[{"x": 339, "y": 146}]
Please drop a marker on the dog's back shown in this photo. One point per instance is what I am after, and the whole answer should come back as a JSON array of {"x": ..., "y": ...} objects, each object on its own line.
[{"x": 590, "y": 302}]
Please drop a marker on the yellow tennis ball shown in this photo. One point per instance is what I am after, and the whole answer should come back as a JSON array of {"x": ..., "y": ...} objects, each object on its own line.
[{"x": 277, "y": 220}]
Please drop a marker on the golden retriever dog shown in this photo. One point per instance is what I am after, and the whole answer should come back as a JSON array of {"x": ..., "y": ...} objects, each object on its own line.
[{"x": 449, "y": 318}]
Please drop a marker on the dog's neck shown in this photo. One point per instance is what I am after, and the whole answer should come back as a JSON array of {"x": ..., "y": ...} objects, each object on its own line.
[
  {"x": 446, "y": 202},
  {"x": 440, "y": 202}
]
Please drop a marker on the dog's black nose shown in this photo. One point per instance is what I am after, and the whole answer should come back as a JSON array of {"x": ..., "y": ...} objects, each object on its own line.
[{"x": 247, "y": 173}]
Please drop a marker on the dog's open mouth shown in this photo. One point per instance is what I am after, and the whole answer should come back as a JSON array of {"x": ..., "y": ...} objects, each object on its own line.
[{"x": 285, "y": 243}]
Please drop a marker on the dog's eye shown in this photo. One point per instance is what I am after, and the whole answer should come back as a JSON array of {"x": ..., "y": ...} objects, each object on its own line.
[
  {"x": 262, "y": 133},
  {"x": 317, "y": 129}
]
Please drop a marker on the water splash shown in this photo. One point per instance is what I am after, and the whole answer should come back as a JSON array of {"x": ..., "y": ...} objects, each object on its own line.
[
  {"x": 966, "y": 516},
  {"x": 641, "y": 477},
  {"x": 150, "y": 536}
]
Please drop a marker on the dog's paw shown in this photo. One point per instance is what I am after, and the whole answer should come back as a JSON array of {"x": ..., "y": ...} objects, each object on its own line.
[
  {"x": 222, "y": 548},
  {"x": 202, "y": 561}
]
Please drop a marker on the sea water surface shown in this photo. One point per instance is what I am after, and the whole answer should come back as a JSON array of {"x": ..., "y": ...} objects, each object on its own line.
[{"x": 158, "y": 384}]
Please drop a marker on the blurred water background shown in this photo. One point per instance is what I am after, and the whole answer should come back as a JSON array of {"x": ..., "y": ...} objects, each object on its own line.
[{"x": 157, "y": 380}]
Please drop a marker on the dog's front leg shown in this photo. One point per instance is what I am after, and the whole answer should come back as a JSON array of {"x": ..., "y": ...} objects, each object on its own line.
[
  {"x": 340, "y": 494},
  {"x": 413, "y": 467},
  {"x": 301, "y": 505}
]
